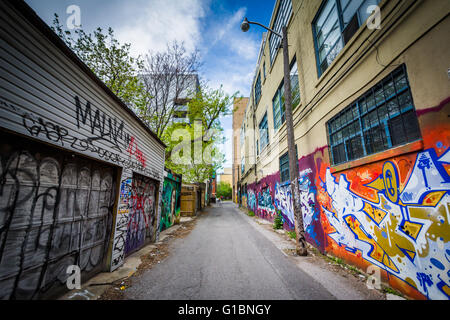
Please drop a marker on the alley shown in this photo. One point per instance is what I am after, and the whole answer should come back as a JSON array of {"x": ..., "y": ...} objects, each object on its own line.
[{"x": 225, "y": 258}]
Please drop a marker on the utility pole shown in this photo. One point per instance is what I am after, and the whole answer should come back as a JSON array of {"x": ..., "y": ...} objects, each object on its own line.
[{"x": 293, "y": 161}]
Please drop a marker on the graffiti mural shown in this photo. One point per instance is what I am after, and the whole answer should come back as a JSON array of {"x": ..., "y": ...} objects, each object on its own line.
[
  {"x": 284, "y": 202},
  {"x": 406, "y": 230},
  {"x": 142, "y": 214},
  {"x": 55, "y": 211},
  {"x": 251, "y": 201},
  {"x": 171, "y": 201},
  {"x": 266, "y": 208}
]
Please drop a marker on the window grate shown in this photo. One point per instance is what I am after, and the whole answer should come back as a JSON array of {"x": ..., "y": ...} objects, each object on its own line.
[
  {"x": 382, "y": 118},
  {"x": 334, "y": 25}
]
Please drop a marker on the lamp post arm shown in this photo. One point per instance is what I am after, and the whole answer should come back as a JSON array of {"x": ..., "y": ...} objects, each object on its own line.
[{"x": 259, "y": 24}]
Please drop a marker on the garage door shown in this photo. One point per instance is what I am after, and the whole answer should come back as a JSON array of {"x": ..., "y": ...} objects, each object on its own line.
[
  {"x": 142, "y": 217},
  {"x": 55, "y": 211}
]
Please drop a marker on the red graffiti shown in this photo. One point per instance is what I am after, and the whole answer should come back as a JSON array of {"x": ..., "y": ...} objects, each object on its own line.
[{"x": 133, "y": 149}]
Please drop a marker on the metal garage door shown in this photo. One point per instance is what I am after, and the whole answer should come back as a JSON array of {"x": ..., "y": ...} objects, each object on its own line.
[
  {"x": 142, "y": 216},
  {"x": 55, "y": 211}
]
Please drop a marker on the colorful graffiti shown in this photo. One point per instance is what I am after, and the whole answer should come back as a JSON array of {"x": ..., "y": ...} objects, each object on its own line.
[
  {"x": 310, "y": 212},
  {"x": 251, "y": 200},
  {"x": 266, "y": 208},
  {"x": 142, "y": 217},
  {"x": 392, "y": 212},
  {"x": 406, "y": 230},
  {"x": 170, "y": 209}
]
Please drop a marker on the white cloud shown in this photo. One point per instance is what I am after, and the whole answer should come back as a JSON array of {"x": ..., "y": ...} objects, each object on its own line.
[{"x": 150, "y": 25}]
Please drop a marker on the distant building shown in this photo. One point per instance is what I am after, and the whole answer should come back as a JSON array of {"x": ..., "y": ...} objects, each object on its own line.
[
  {"x": 226, "y": 176},
  {"x": 239, "y": 106}
]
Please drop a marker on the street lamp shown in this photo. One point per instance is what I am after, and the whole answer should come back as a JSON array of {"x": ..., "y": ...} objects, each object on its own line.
[{"x": 293, "y": 166}]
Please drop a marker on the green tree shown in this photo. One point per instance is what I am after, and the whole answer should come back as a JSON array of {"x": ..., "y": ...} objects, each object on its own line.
[
  {"x": 109, "y": 60},
  {"x": 198, "y": 141},
  {"x": 224, "y": 190}
]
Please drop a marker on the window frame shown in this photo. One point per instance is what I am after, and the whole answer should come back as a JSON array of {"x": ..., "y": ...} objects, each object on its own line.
[
  {"x": 383, "y": 123},
  {"x": 286, "y": 154},
  {"x": 274, "y": 40},
  {"x": 258, "y": 89},
  {"x": 280, "y": 93},
  {"x": 342, "y": 28},
  {"x": 266, "y": 127}
]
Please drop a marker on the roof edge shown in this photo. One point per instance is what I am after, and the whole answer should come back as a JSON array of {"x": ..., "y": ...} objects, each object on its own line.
[{"x": 29, "y": 14}]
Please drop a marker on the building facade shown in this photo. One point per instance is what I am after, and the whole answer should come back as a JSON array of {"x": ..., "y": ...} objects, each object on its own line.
[
  {"x": 81, "y": 175},
  {"x": 239, "y": 106},
  {"x": 226, "y": 176},
  {"x": 371, "y": 126}
]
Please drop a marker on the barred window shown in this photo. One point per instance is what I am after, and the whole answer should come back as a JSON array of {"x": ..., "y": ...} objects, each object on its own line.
[
  {"x": 335, "y": 24},
  {"x": 282, "y": 17},
  {"x": 382, "y": 118}
]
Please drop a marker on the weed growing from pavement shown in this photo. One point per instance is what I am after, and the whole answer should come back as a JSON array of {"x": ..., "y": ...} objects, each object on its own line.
[
  {"x": 278, "y": 222},
  {"x": 292, "y": 234},
  {"x": 387, "y": 289}
]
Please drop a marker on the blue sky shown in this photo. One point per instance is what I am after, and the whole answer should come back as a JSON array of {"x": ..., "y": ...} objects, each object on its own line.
[{"x": 228, "y": 55}]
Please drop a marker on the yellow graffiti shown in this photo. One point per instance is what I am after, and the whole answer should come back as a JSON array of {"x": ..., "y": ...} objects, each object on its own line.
[
  {"x": 375, "y": 213},
  {"x": 377, "y": 253},
  {"x": 390, "y": 182}
]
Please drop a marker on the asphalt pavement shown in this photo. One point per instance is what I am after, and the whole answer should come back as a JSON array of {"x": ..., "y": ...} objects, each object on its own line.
[{"x": 225, "y": 257}]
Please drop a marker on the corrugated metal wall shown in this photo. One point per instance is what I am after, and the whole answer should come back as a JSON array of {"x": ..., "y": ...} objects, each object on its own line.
[
  {"x": 56, "y": 210},
  {"x": 48, "y": 95}
]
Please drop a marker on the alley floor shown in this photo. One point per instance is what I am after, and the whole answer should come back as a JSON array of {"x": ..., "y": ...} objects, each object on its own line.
[{"x": 230, "y": 256}]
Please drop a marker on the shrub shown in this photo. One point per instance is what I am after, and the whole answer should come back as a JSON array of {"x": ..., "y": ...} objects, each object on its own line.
[{"x": 278, "y": 221}]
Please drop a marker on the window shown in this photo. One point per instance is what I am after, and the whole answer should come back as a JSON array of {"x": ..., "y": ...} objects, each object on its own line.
[
  {"x": 384, "y": 117},
  {"x": 281, "y": 19},
  {"x": 263, "y": 132},
  {"x": 284, "y": 166},
  {"x": 278, "y": 100},
  {"x": 264, "y": 70},
  {"x": 242, "y": 165},
  {"x": 335, "y": 24},
  {"x": 258, "y": 88},
  {"x": 257, "y": 147},
  {"x": 295, "y": 88},
  {"x": 278, "y": 107}
]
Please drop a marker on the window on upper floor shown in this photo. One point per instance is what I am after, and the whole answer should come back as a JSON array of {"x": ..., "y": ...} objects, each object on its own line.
[
  {"x": 335, "y": 24},
  {"x": 282, "y": 17},
  {"x": 263, "y": 132},
  {"x": 278, "y": 107},
  {"x": 382, "y": 118},
  {"x": 284, "y": 166},
  {"x": 264, "y": 70},
  {"x": 242, "y": 165},
  {"x": 258, "y": 88},
  {"x": 295, "y": 88},
  {"x": 278, "y": 100}
]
